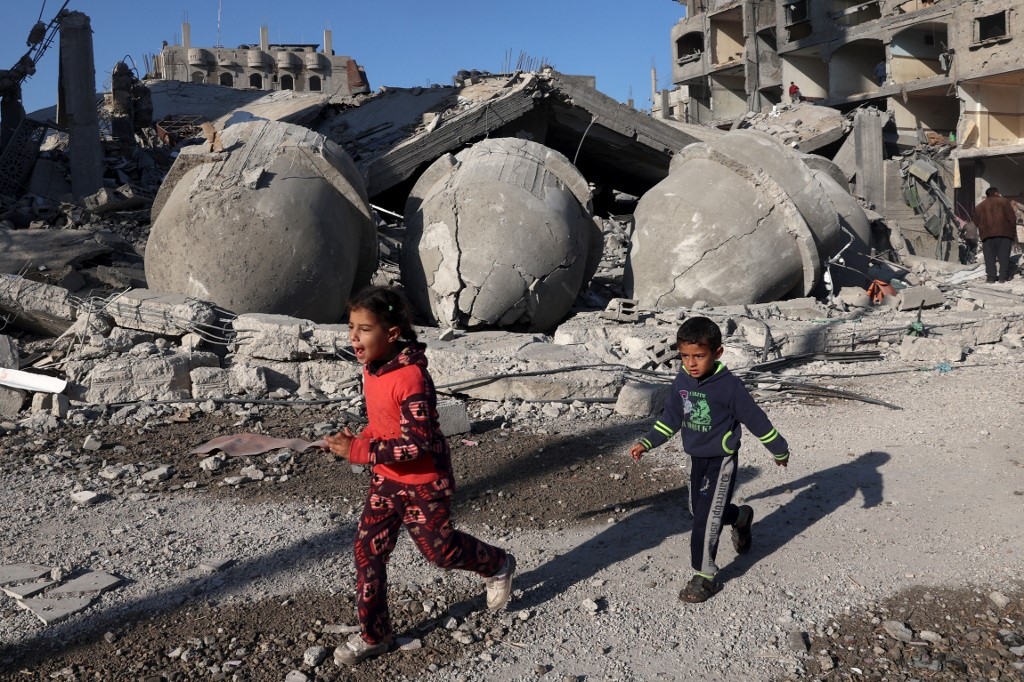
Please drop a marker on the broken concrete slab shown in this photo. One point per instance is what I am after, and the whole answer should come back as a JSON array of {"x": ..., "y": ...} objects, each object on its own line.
[
  {"x": 16, "y": 573},
  {"x": 36, "y": 307},
  {"x": 22, "y": 251},
  {"x": 51, "y": 610},
  {"x": 94, "y": 582},
  {"x": 239, "y": 379},
  {"x": 641, "y": 399},
  {"x": 915, "y": 298},
  {"x": 389, "y": 135},
  {"x": 273, "y": 337},
  {"x": 309, "y": 228},
  {"x": 28, "y": 589},
  {"x": 920, "y": 349},
  {"x": 130, "y": 378},
  {"x": 166, "y": 314},
  {"x": 466, "y": 265}
]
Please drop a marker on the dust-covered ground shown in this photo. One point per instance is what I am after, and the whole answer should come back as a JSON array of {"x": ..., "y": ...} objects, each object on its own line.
[{"x": 884, "y": 518}]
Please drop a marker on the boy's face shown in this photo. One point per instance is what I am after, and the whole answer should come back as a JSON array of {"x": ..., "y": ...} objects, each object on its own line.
[{"x": 698, "y": 359}]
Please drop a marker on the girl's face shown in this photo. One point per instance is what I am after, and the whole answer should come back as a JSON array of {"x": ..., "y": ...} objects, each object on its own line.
[{"x": 370, "y": 339}]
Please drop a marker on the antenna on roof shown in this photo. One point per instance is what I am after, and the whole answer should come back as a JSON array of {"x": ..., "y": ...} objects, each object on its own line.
[{"x": 220, "y": 6}]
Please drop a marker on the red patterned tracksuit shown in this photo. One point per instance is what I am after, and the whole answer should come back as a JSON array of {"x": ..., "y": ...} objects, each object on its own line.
[{"x": 412, "y": 485}]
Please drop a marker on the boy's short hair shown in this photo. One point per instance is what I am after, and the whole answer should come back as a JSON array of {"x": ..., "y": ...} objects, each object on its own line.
[{"x": 701, "y": 331}]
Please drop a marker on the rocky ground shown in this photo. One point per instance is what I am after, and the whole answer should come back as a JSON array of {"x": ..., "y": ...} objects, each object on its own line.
[{"x": 889, "y": 550}]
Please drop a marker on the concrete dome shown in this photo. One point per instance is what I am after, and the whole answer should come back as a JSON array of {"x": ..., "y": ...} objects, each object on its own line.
[
  {"x": 277, "y": 223},
  {"x": 500, "y": 235},
  {"x": 740, "y": 219}
]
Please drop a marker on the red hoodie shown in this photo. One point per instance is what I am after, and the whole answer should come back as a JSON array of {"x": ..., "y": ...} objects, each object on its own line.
[{"x": 403, "y": 441}]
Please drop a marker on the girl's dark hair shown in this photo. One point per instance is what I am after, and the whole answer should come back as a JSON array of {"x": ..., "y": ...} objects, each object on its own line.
[
  {"x": 700, "y": 331},
  {"x": 388, "y": 305}
]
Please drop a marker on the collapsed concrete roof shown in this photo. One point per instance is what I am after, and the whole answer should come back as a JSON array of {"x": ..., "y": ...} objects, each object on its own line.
[{"x": 396, "y": 133}]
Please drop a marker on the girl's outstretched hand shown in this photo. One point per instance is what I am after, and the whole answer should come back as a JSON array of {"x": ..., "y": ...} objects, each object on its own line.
[
  {"x": 637, "y": 451},
  {"x": 340, "y": 443}
]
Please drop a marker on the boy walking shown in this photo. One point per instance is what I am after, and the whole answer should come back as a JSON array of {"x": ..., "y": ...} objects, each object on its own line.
[{"x": 708, "y": 403}]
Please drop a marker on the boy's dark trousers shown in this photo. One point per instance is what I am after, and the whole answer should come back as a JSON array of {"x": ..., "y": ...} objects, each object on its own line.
[
  {"x": 712, "y": 481},
  {"x": 425, "y": 511}
]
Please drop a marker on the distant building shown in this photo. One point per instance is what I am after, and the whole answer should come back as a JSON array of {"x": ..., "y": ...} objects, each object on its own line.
[
  {"x": 947, "y": 70},
  {"x": 264, "y": 66}
]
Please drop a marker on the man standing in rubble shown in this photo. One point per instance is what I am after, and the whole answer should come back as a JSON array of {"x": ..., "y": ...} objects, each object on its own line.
[{"x": 997, "y": 227}]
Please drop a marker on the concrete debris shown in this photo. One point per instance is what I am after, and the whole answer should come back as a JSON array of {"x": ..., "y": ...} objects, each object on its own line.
[
  {"x": 802, "y": 126},
  {"x": 621, "y": 310},
  {"x": 11, "y": 399},
  {"x": 916, "y": 298},
  {"x": 34, "y": 306},
  {"x": 304, "y": 235},
  {"x": 780, "y": 206},
  {"x": 641, "y": 399},
  {"x": 471, "y": 256}
]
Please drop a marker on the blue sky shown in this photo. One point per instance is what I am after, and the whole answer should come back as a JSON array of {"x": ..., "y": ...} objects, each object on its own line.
[{"x": 399, "y": 43}]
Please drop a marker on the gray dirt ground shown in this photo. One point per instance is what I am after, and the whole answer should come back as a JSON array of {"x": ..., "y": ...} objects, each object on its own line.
[{"x": 908, "y": 515}]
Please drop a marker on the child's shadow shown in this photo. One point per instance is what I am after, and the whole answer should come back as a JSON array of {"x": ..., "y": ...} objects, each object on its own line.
[
  {"x": 820, "y": 493},
  {"x": 660, "y": 517}
]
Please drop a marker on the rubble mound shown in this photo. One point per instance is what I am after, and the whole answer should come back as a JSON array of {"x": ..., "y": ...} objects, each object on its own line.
[
  {"x": 473, "y": 257},
  {"x": 278, "y": 222}
]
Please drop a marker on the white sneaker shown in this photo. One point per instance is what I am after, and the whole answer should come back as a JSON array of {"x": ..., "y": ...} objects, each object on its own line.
[
  {"x": 357, "y": 649},
  {"x": 499, "y": 585}
]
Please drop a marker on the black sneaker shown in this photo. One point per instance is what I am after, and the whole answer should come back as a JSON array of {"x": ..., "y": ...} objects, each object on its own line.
[
  {"x": 741, "y": 529},
  {"x": 698, "y": 589}
]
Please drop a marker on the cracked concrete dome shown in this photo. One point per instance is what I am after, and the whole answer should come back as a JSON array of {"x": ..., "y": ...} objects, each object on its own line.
[
  {"x": 500, "y": 235},
  {"x": 741, "y": 219},
  {"x": 279, "y": 222}
]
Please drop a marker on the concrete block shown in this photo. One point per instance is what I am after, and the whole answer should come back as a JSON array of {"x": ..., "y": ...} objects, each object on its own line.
[
  {"x": 967, "y": 305},
  {"x": 621, "y": 310},
  {"x": 453, "y": 417},
  {"x": 55, "y": 404},
  {"x": 915, "y": 298},
  {"x": 662, "y": 352},
  {"x": 35, "y": 306},
  {"x": 854, "y": 297},
  {"x": 161, "y": 313},
  {"x": 273, "y": 337},
  {"x": 918, "y": 349},
  {"x": 52, "y": 611},
  {"x": 16, "y": 573},
  {"x": 640, "y": 399},
  {"x": 129, "y": 379}
]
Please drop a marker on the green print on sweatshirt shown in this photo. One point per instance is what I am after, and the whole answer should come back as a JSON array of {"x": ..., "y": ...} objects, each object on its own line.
[{"x": 699, "y": 414}]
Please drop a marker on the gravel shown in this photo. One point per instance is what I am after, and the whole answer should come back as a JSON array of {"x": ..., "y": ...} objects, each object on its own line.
[{"x": 890, "y": 548}]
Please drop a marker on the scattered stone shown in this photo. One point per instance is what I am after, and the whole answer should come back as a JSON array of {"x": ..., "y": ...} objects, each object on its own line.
[
  {"x": 85, "y": 497},
  {"x": 590, "y": 605},
  {"x": 315, "y": 655},
  {"x": 1000, "y": 600},
  {"x": 215, "y": 565},
  {"x": 798, "y": 641},
  {"x": 898, "y": 631},
  {"x": 92, "y": 443},
  {"x": 160, "y": 473}
]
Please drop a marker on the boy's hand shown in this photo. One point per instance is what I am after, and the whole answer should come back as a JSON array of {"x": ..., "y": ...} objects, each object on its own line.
[
  {"x": 782, "y": 460},
  {"x": 637, "y": 451},
  {"x": 340, "y": 443}
]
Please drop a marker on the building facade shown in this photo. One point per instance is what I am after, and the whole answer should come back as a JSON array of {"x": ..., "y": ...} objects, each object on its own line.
[
  {"x": 949, "y": 70},
  {"x": 264, "y": 66}
]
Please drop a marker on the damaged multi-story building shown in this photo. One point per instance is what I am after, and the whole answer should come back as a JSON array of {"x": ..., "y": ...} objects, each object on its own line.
[
  {"x": 946, "y": 75},
  {"x": 265, "y": 66}
]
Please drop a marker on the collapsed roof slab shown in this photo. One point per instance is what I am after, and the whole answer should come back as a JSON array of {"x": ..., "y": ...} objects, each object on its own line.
[{"x": 395, "y": 134}]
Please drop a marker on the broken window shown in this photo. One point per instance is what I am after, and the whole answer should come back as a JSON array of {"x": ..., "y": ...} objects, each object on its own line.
[
  {"x": 256, "y": 81},
  {"x": 796, "y": 12},
  {"x": 689, "y": 48},
  {"x": 990, "y": 27},
  {"x": 227, "y": 79},
  {"x": 287, "y": 82},
  {"x": 314, "y": 84}
]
